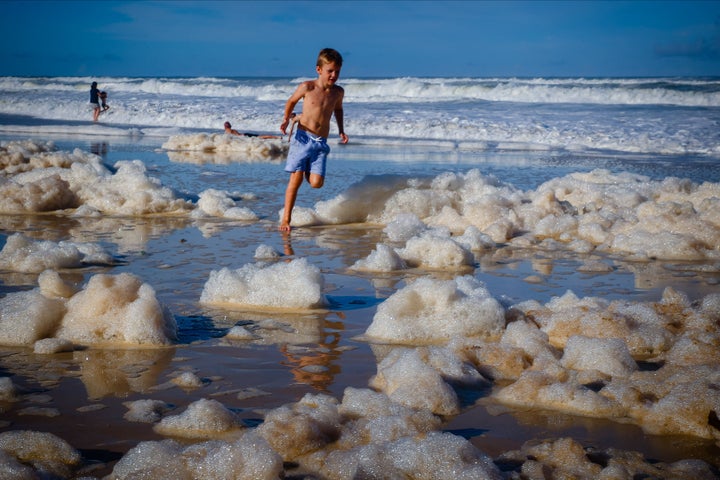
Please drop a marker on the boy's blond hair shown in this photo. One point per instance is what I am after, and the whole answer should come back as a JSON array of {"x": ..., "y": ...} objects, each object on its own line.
[{"x": 329, "y": 55}]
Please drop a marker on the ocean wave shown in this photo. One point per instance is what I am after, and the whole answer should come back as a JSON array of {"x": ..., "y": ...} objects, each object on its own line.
[
  {"x": 692, "y": 92},
  {"x": 647, "y": 116}
]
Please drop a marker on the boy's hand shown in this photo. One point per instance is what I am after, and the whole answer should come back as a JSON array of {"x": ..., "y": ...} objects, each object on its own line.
[
  {"x": 343, "y": 138},
  {"x": 283, "y": 126}
]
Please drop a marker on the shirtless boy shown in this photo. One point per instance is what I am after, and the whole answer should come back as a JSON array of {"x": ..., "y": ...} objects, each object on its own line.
[{"x": 308, "y": 147}]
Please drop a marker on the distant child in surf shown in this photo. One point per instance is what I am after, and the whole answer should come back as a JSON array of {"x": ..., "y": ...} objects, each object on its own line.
[
  {"x": 103, "y": 101},
  {"x": 308, "y": 152}
]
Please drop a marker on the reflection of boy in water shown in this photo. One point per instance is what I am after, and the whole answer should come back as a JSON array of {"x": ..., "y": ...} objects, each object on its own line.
[{"x": 317, "y": 368}]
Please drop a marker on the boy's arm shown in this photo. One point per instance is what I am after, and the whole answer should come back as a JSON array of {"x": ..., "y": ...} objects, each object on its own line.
[
  {"x": 339, "y": 117},
  {"x": 290, "y": 105}
]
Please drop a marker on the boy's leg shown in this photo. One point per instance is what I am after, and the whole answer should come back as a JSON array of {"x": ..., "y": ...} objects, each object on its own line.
[
  {"x": 315, "y": 180},
  {"x": 296, "y": 179}
]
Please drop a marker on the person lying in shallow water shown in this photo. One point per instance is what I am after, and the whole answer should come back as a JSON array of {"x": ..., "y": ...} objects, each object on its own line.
[{"x": 231, "y": 131}]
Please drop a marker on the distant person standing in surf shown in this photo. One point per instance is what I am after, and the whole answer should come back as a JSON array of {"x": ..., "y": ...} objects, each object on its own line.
[
  {"x": 307, "y": 156},
  {"x": 95, "y": 101}
]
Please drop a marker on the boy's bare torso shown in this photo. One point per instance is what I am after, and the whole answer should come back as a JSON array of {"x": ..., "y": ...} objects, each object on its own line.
[{"x": 318, "y": 106}]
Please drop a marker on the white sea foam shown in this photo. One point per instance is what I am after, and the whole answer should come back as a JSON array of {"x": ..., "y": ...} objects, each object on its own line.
[
  {"x": 223, "y": 148},
  {"x": 110, "y": 310},
  {"x": 202, "y": 419},
  {"x": 22, "y": 254},
  {"x": 604, "y": 350},
  {"x": 418, "y": 313},
  {"x": 46, "y": 453},
  {"x": 619, "y": 213},
  {"x": 216, "y": 203},
  {"x": 146, "y": 411},
  {"x": 247, "y": 457},
  {"x": 566, "y": 457},
  {"x": 293, "y": 285},
  {"x": 41, "y": 179}
]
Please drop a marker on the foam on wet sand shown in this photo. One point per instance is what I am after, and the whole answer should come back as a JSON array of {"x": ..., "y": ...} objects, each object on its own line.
[
  {"x": 223, "y": 148},
  {"x": 651, "y": 364},
  {"x": 599, "y": 211}
]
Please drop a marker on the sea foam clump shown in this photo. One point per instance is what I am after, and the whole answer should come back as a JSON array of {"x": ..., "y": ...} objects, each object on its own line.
[
  {"x": 26, "y": 155},
  {"x": 617, "y": 213},
  {"x": 26, "y": 317},
  {"x": 129, "y": 191},
  {"x": 631, "y": 214},
  {"x": 383, "y": 259},
  {"x": 369, "y": 435},
  {"x": 202, "y": 419},
  {"x": 22, "y": 254},
  {"x": 424, "y": 247},
  {"x": 653, "y": 364},
  {"x": 294, "y": 285},
  {"x": 567, "y": 458},
  {"x": 405, "y": 372},
  {"x": 436, "y": 249},
  {"x": 110, "y": 310},
  {"x": 592, "y": 363},
  {"x": 223, "y": 148},
  {"x": 431, "y": 311},
  {"x": 117, "y": 309},
  {"x": 58, "y": 181},
  {"x": 249, "y": 456},
  {"x": 29, "y": 454},
  {"x": 217, "y": 203}
]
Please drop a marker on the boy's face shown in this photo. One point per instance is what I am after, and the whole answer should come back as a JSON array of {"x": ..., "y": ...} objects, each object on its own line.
[{"x": 328, "y": 73}]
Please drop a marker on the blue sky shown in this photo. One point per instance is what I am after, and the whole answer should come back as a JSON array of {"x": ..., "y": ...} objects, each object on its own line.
[{"x": 377, "y": 39}]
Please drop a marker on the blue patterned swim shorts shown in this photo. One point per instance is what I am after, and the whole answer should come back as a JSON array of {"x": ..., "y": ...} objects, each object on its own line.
[{"x": 307, "y": 153}]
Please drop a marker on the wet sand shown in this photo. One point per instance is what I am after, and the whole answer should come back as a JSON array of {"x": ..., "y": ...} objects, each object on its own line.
[{"x": 80, "y": 395}]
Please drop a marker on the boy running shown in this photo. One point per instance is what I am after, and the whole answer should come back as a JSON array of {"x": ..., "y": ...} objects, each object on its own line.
[{"x": 308, "y": 147}]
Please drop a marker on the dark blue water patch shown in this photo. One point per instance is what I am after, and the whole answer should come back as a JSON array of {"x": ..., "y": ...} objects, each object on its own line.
[
  {"x": 352, "y": 302},
  {"x": 192, "y": 328},
  {"x": 468, "y": 433}
]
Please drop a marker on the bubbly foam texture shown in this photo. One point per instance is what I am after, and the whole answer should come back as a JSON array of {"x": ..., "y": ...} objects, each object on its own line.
[
  {"x": 622, "y": 213},
  {"x": 225, "y": 147},
  {"x": 566, "y": 458},
  {"x": 41, "y": 179},
  {"x": 383, "y": 259},
  {"x": 392, "y": 430},
  {"x": 26, "y": 317},
  {"x": 293, "y": 285},
  {"x": 217, "y": 203},
  {"x": 405, "y": 372},
  {"x": 601, "y": 343},
  {"x": 110, "y": 310},
  {"x": 247, "y": 457},
  {"x": 266, "y": 252},
  {"x": 202, "y": 419},
  {"x": 419, "y": 313},
  {"x": 146, "y": 411},
  {"x": 117, "y": 309},
  {"x": 45, "y": 451},
  {"x": 22, "y": 254}
]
